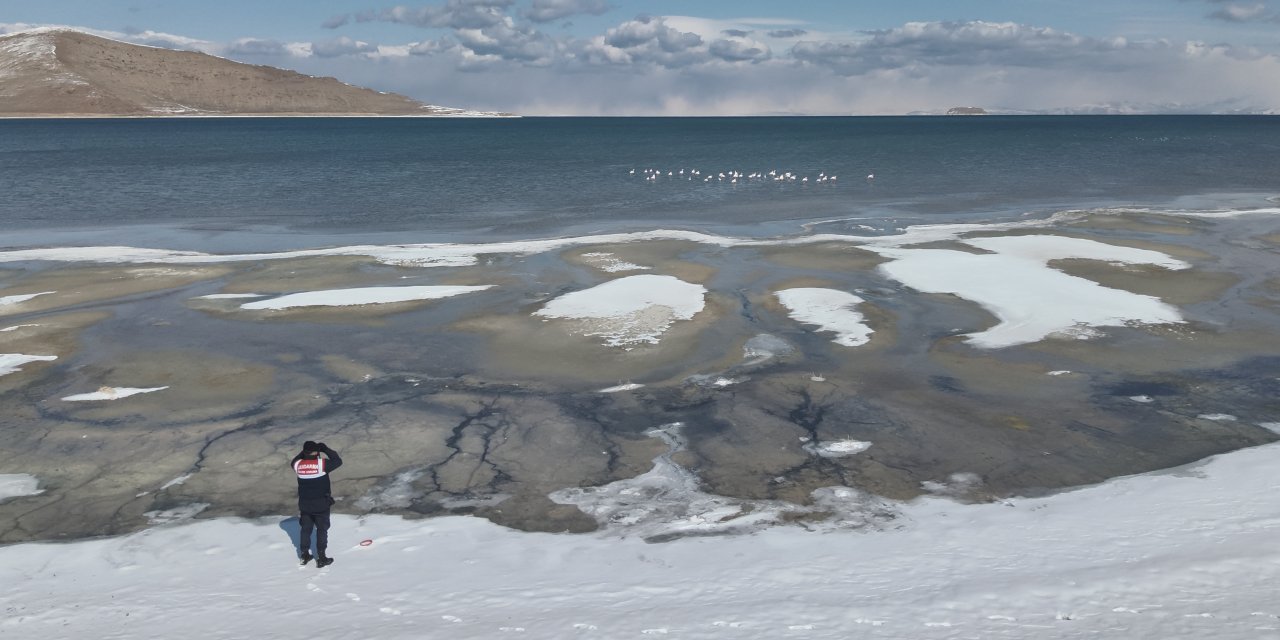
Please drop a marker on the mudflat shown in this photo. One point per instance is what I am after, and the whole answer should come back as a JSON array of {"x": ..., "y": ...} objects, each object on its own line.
[{"x": 477, "y": 403}]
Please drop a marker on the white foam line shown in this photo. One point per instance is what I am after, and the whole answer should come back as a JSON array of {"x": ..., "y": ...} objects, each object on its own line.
[
  {"x": 361, "y": 296},
  {"x": 459, "y": 254}
]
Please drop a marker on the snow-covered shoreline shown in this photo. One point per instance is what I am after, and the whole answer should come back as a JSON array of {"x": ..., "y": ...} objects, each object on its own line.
[{"x": 1185, "y": 553}]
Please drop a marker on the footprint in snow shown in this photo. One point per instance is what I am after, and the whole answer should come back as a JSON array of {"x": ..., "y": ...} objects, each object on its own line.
[
  {"x": 731, "y": 625},
  {"x": 353, "y": 597},
  {"x": 585, "y": 627},
  {"x": 451, "y": 618},
  {"x": 511, "y": 629},
  {"x": 800, "y": 627},
  {"x": 311, "y": 586},
  {"x": 655, "y": 632},
  {"x": 389, "y": 611}
]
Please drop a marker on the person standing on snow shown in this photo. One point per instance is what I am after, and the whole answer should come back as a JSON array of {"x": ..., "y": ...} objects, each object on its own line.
[{"x": 315, "y": 497}]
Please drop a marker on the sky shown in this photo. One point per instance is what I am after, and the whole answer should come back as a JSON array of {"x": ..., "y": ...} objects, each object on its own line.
[{"x": 746, "y": 57}]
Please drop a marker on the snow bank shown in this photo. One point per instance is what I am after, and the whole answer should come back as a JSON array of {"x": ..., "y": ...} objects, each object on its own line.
[
  {"x": 111, "y": 393},
  {"x": 1181, "y": 556},
  {"x": 360, "y": 296},
  {"x": 17, "y": 485},
  {"x": 631, "y": 310},
  {"x": 830, "y": 310},
  {"x": 1031, "y": 300},
  {"x": 667, "y": 502},
  {"x": 11, "y": 362}
]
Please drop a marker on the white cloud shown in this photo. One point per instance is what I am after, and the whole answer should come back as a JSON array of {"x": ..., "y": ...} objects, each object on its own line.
[
  {"x": 454, "y": 14},
  {"x": 341, "y": 46},
  {"x": 551, "y": 10},
  {"x": 647, "y": 40},
  {"x": 740, "y": 49},
  {"x": 923, "y": 44},
  {"x": 673, "y": 65},
  {"x": 1231, "y": 11},
  {"x": 508, "y": 41},
  {"x": 256, "y": 47}
]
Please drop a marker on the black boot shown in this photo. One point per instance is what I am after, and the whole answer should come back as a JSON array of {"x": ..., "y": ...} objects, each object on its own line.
[
  {"x": 323, "y": 561},
  {"x": 305, "y": 557}
]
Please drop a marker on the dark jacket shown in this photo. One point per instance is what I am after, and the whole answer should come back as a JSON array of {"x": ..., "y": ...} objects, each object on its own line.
[{"x": 314, "y": 494}]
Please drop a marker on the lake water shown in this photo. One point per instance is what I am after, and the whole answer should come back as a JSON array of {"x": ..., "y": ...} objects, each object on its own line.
[{"x": 279, "y": 182}]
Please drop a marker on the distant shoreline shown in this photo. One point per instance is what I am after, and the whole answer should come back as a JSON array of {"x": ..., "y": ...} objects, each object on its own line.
[
  {"x": 170, "y": 116},
  {"x": 479, "y": 116}
]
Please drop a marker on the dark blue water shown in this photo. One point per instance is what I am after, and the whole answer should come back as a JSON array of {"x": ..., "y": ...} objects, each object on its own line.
[{"x": 421, "y": 179}]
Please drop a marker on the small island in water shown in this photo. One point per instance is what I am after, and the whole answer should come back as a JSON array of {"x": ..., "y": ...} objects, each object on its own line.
[{"x": 966, "y": 111}]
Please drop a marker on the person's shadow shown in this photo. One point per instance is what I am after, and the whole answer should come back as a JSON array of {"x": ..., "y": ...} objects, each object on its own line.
[{"x": 293, "y": 527}]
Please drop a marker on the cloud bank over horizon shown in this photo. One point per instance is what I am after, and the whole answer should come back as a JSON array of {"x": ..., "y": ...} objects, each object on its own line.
[{"x": 524, "y": 57}]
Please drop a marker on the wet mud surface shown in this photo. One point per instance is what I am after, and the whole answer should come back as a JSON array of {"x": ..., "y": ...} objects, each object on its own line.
[{"x": 474, "y": 405}]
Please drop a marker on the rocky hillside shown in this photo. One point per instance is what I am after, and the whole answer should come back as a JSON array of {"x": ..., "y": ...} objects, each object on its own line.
[{"x": 59, "y": 72}]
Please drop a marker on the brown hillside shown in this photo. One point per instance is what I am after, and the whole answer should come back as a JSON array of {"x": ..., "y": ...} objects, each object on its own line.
[{"x": 63, "y": 72}]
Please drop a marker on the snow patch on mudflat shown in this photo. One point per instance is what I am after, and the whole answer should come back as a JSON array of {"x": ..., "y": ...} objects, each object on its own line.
[
  {"x": 628, "y": 311},
  {"x": 11, "y": 362},
  {"x": 629, "y": 386},
  {"x": 610, "y": 263},
  {"x": 8, "y": 300},
  {"x": 1031, "y": 300},
  {"x": 111, "y": 393},
  {"x": 830, "y": 310},
  {"x": 17, "y": 485},
  {"x": 360, "y": 296},
  {"x": 837, "y": 448},
  {"x": 667, "y": 502}
]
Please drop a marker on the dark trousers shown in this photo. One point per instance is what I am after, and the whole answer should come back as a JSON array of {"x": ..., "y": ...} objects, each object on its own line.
[{"x": 319, "y": 522}]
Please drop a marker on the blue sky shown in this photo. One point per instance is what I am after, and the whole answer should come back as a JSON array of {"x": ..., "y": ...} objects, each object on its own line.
[{"x": 742, "y": 57}]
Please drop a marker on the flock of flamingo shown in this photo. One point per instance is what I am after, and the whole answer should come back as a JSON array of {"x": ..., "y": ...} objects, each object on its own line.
[{"x": 733, "y": 177}]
